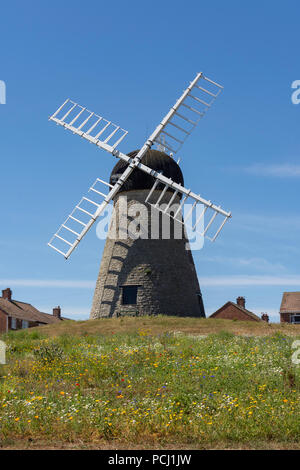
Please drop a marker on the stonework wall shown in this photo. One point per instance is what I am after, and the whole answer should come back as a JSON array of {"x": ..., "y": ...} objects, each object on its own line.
[{"x": 162, "y": 268}]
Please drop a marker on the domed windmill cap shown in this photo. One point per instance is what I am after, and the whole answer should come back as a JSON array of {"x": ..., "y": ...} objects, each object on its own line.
[{"x": 154, "y": 159}]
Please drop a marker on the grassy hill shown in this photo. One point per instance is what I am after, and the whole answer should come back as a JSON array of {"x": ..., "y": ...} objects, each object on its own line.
[
  {"x": 163, "y": 324},
  {"x": 151, "y": 382}
]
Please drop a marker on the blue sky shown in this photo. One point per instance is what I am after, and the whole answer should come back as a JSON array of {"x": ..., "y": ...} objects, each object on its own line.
[{"x": 129, "y": 61}]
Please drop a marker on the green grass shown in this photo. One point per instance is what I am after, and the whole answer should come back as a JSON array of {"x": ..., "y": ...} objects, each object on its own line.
[{"x": 145, "y": 385}]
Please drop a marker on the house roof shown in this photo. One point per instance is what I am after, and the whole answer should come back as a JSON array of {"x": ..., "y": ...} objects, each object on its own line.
[
  {"x": 24, "y": 311},
  {"x": 290, "y": 302},
  {"x": 239, "y": 307}
]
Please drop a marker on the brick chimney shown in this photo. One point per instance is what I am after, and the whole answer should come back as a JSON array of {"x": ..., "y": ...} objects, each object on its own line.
[
  {"x": 265, "y": 317},
  {"x": 57, "y": 312},
  {"x": 241, "y": 301},
  {"x": 6, "y": 294}
]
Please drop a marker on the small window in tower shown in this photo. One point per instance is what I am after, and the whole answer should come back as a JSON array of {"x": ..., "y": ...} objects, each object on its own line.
[{"x": 129, "y": 295}]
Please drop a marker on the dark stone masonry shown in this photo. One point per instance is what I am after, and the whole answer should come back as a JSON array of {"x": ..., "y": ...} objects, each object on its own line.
[
  {"x": 162, "y": 270},
  {"x": 152, "y": 273}
]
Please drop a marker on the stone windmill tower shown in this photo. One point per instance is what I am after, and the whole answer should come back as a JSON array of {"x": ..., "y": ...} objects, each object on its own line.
[
  {"x": 147, "y": 266},
  {"x": 155, "y": 273}
]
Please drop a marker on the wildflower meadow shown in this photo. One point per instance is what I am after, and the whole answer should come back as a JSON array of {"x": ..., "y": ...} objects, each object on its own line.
[{"x": 143, "y": 389}]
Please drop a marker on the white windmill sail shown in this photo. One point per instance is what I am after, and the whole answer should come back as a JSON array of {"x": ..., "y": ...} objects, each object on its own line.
[
  {"x": 193, "y": 202},
  {"x": 184, "y": 116},
  {"x": 108, "y": 136},
  {"x": 80, "y": 220},
  {"x": 91, "y": 126}
]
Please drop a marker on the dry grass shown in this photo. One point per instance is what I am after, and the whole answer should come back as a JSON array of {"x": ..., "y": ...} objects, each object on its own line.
[
  {"x": 115, "y": 445},
  {"x": 163, "y": 324}
]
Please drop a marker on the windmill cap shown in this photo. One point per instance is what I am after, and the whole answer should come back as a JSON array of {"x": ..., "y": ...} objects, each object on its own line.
[{"x": 154, "y": 159}]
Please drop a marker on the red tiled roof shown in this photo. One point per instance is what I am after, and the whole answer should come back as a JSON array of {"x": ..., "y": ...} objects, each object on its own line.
[
  {"x": 290, "y": 302},
  {"x": 242, "y": 309},
  {"x": 24, "y": 311}
]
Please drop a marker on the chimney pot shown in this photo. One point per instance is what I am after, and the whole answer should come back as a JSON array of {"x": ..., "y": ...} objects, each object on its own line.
[
  {"x": 241, "y": 301},
  {"x": 7, "y": 294},
  {"x": 57, "y": 312},
  {"x": 265, "y": 317}
]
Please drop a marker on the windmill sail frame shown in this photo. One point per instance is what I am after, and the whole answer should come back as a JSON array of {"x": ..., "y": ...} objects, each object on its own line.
[{"x": 107, "y": 135}]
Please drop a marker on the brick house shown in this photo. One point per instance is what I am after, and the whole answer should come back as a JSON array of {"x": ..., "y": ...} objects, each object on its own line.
[
  {"x": 232, "y": 311},
  {"x": 15, "y": 315},
  {"x": 290, "y": 307}
]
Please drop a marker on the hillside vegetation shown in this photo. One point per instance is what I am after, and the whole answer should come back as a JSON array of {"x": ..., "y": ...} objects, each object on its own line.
[
  {"x": 163, "y": 324},
  {"x": 159, "y": 382}
]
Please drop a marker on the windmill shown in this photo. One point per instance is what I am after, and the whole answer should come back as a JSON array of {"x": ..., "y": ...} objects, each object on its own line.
[{"x": 144, "y": 276}]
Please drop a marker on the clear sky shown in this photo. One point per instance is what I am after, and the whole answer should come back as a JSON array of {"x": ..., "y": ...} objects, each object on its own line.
[{"x": 129, "y": 61}]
